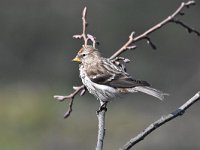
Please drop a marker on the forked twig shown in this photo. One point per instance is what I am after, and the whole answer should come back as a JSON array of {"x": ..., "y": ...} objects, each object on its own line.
[
  {"x": 85, "y": 36},
  {"x": 70, "y": 97},
  {"x": 180, "y": 111},
  {"x": 81, "y": 88}
]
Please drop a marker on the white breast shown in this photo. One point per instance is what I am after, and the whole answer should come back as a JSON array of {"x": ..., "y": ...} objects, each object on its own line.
[{"x": 101, "y": 92}]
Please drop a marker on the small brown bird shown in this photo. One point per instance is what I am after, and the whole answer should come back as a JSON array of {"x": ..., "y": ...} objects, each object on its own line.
[{"x": 105, "y": 80}]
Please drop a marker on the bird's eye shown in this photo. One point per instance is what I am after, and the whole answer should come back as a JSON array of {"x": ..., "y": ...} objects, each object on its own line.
[{"x": 84, "y": 55}]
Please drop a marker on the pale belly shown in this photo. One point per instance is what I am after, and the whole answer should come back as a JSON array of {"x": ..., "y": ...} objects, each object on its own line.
[{"x": 101, "y": 92}]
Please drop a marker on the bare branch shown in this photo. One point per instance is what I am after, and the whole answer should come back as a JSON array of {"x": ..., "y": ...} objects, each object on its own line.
[
  {"x": 93, "y": 39},
  {"x": 124, "y": 47},
  {"x": 101, "y": 125},
  {"x": 85, "y": 36},
  {"x": 70, "y": 97},
  {"x": 69, "y": 110},
  {"x": 180, "y": 111},
  {"x": 132, "y": 40},
  {"x": 84, "y": 25}
]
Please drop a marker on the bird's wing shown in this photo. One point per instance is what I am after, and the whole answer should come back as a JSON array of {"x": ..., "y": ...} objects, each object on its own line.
[
  {"x": 111, "y": 75},
  {"x": 118, "y": 81}
]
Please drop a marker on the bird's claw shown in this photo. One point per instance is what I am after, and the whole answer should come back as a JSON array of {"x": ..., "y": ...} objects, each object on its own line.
[{"x": 102, "y": 108}]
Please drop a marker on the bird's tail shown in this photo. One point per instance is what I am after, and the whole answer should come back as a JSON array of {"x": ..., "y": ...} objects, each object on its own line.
[{"x": 150, "y": 91}]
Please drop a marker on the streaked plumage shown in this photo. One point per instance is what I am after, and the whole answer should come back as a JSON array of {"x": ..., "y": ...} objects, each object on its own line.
[{"x": 105, "y": 80}]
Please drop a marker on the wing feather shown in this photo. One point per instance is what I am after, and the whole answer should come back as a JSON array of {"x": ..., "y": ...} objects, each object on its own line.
[{"x": 114, "y": 76}]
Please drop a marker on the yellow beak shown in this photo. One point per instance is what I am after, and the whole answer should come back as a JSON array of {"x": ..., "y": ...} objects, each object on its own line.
[{"x": 76, "y": 59}]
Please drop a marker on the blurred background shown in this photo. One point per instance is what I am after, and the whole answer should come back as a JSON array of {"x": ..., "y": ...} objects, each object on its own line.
[{"x": 36, "y": 49}]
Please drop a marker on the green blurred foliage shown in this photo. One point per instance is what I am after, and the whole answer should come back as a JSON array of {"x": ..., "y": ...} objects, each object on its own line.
[{"x": 36, "y": 48}]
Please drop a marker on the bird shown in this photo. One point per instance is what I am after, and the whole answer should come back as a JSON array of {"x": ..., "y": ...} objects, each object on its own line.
[{"x": 106, "y": 80}]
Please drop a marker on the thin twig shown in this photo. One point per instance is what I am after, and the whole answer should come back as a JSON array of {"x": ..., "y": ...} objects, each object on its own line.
[
  {"x": 180, "y": 111},
  {"x": 81, "y": 88},
  {"x": 132, "y": 39},
  {"x": 84, "y": 25},
  {"x": 84, "y": 35},
  {"x": 70, "y": 97}
]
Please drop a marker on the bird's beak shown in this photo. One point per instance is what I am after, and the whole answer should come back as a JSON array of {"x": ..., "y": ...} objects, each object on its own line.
[{"x": 76, "y": 59}]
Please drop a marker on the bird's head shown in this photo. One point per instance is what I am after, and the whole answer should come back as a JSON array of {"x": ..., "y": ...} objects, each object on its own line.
[{"x": 87, "y": 54}]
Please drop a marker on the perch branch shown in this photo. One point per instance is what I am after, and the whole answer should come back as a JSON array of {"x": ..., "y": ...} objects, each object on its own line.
[
  {"x": 132, "y": 39},
  {"x": 180, "y": 111},
  {"x": 101, "y": 125}
]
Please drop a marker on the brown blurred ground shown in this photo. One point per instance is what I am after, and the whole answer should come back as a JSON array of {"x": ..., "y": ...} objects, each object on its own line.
[{"x": 36, "y": 49}]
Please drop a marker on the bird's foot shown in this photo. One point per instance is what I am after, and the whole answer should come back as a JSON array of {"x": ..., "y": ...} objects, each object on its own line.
[{"x": 102, "y": 108}]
